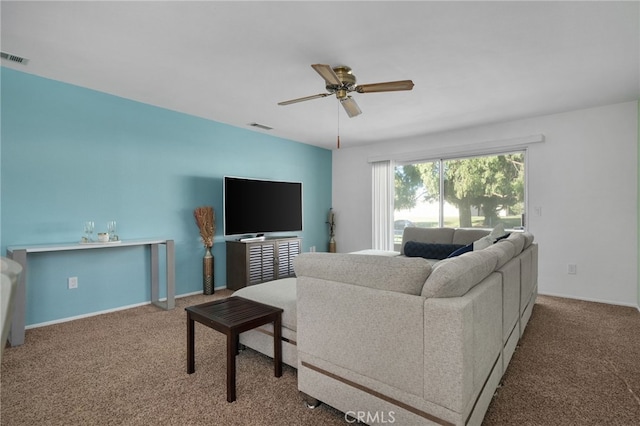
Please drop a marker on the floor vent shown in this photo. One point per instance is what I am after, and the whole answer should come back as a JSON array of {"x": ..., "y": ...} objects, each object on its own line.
[
  {"x": 13, "y": 58},
  {"x": 260, "y": 126}
]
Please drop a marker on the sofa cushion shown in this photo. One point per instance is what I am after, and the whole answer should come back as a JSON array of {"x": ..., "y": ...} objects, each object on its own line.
[
  {"x": 528, "y": 239},
  {"x": 429, "y": 250},
  {"x": 387, "y": 253},
  {"x": 279, "y": 293},
  {"x": 466, "y": 236},
  {"x": 454, "y": 277},
  {"x": 505, "y": 252},
  {"x": 401, "y": 274},
  {"x": 518, "y": 240},
  {"x": 487, "y": 240},
  {"x": 503, "y": 237}
]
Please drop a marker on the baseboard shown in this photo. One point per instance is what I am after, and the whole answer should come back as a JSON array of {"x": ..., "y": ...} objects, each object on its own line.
[
  {"x": 106, "y": 311},
  {"x": 588, "y": 299},
  {"x": 91, "y": 314}
]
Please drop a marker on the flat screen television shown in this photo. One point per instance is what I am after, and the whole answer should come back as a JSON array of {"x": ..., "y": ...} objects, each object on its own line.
[{"x": 260, "y": 206}]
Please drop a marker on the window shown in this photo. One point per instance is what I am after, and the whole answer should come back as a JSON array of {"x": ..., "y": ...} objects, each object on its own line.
[{"x": 474, "y": 192}]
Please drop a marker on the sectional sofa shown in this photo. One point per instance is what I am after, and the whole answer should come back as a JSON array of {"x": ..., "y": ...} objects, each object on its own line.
[{"x": 388, "y": 336}]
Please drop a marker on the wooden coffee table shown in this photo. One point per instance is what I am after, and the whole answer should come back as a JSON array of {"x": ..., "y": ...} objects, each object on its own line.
[{"x": 233, "y": 316}]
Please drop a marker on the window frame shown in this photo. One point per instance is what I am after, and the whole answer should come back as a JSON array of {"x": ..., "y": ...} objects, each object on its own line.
[
  {"x": 442, "y": 159},
  {"x": 448, "y": 151}
]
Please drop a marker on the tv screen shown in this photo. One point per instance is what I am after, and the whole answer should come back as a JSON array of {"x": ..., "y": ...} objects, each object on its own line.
[{"x": 260, "y": 206}]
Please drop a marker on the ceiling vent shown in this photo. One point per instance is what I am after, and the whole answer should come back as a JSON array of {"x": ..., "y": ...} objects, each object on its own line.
[
  {"x": 14, "y": 58},
  {"x": 260, "y": 126}
]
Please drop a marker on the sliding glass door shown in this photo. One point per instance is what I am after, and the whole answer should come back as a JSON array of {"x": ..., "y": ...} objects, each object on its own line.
[{"x": 472, "y": 192}]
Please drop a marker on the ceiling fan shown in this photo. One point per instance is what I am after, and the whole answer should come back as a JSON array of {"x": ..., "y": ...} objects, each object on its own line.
[{"x": 341, "y": 81}]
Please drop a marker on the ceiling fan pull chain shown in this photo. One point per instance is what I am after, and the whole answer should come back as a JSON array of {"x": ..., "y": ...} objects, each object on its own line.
[{"x": 338, "y": 125}]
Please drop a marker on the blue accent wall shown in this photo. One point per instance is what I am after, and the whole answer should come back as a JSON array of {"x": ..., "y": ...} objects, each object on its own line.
[{"x": 70, "y": 154}]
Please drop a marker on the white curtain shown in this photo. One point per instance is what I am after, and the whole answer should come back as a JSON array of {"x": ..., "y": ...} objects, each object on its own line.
[{"x": 382, "y": 205}]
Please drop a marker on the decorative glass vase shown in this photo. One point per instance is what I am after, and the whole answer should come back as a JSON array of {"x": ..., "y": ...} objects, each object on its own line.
[
  {"x": 332, "y": 245},
  {"x": 207, "y": 272}
]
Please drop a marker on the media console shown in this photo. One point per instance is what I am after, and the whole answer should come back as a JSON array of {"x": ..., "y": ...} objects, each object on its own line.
[{"x": 254, "y": 262}]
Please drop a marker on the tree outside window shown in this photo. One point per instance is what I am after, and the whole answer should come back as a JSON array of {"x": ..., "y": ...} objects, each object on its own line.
[{"x": 467, "y": 192}]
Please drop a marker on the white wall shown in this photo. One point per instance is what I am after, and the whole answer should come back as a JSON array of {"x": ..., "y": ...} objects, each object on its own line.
[{"x": 583, "y": 177}]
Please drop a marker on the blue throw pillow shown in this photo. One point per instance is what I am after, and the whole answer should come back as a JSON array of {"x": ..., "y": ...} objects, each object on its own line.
[
  {"x": 501, "y": 238},
  {"x": 429, "y": 250},
  {"x": 461, "y": 250}
]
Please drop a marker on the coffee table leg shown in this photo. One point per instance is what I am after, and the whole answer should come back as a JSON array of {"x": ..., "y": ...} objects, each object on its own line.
[
  {"x": 232, "y": 348},
  {"x": 277, "y": 345},
  {"x": 190, "y": 345}
]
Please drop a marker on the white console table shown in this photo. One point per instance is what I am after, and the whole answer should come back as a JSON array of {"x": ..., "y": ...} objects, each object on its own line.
[{"x": 20, "y": 254}]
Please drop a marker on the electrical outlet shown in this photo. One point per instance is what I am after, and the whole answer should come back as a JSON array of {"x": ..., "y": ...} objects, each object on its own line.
[
  {"x": 572, "y": 269},
  {"x": 72, "y": 282},
  {"x": 312, "y": 249}
]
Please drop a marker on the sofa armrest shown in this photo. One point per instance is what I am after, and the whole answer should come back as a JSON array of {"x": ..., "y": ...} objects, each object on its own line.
[
  {"x": 373, "y": 333},
  {"x": 463, "y": 342}
]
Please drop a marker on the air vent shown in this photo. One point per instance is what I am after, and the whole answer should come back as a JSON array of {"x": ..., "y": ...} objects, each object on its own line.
[
  {"x": 14, "y": 58},
  {"x": 260, "y": 126}
]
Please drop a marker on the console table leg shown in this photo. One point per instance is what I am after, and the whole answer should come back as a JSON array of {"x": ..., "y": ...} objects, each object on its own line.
[
  {"x": 171, "y": 274},
  {"x": 16, "y": 333},
  {"x": 155, "y": 280}
]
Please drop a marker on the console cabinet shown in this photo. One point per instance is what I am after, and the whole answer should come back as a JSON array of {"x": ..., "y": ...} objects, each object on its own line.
[{"x": 250, "y": 263}]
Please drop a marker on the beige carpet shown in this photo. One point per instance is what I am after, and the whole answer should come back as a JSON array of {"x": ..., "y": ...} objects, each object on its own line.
[{"x": 578, "y": 363}]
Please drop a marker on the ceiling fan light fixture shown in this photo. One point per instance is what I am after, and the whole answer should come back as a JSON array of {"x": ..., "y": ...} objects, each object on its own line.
[{"x": 350, "y": 106}]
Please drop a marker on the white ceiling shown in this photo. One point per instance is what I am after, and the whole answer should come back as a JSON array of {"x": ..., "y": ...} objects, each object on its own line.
[{"x": 232, "y": 62}]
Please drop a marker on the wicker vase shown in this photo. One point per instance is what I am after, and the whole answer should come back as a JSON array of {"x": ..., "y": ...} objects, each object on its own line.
[{"x": 207, "y": 272}]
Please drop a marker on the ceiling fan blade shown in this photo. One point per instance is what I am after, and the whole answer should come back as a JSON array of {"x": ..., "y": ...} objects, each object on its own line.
[
  {"x": 350, "y": 105},
  {"x": 328, "y": 74},
  {"x": 391, "y": 86},
  {"x": 306, "y": 98}
]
